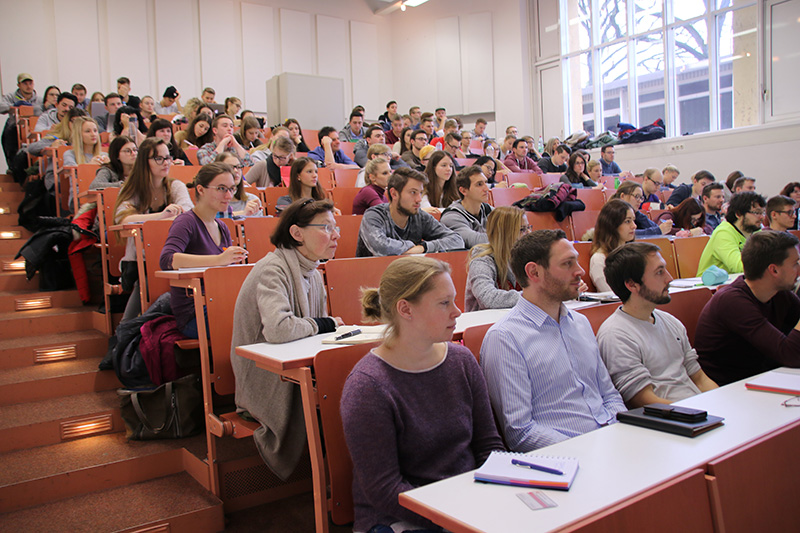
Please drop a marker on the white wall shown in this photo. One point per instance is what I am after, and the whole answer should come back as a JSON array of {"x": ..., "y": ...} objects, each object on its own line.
[{"x": 231, "y": 45}]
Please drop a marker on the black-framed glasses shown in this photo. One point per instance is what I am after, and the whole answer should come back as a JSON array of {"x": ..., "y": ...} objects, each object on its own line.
[
  {"x": 454, "y": 147},
  {"x": 328, "y": 228},
  {"x": 790, "y": 212},
  {"x": 159, "y": 159},
  {"x": 792, "y": 402},
  {"x": 654, "y": 181},
  {"x": 759, "y": 213},
  {"x": 223, "y": 189},
  {"x": 281, "y": 157},
  {"x": 129, "y": 151}
]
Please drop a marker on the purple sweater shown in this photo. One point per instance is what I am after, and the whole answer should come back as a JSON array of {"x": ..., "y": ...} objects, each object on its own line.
[
  {"x": 407, "y": 429},
  {"x": 367, "y": 197},
  {"x": 738, "y": 336},
  {"x": 188, "y": 235}
]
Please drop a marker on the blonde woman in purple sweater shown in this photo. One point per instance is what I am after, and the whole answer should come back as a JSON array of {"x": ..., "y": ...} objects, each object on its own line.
[{"x": 415, "y": 409}]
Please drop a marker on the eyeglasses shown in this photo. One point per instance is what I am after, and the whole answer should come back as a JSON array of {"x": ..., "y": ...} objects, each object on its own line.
[
  {"x": 792, "y": 402},
  {"x": 525, "y": 229},
  {"x": 639, "y": 197},
  {"x": 223, "y": 189},
  {"x": 129, "y": 151},
  {"x": 160, "y": 160},
  {"x": 330, "y": 229},
  {"x": 453, "y": 146},
  {"x": 656, "y": 182},
  {"x": 237, "y": 167},
  {"x": 791, "y": 212},
  {"x": 281, "y": 157},
  {"x": 759, "y": 213}
]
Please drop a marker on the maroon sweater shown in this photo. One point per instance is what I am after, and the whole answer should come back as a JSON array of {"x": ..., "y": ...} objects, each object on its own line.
[
  {"x": 738, "y": 336},
  {"x": 407, "y": 429}
]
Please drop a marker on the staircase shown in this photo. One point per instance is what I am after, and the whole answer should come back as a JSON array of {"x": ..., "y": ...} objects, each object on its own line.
[{"x": 65, "y": 464}]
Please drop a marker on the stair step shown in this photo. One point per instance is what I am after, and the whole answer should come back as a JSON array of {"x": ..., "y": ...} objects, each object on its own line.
[
  {"x": 43, "y": 321},
  {"x": 50, "y": 473},
  {"x": 11, "y": 246},
  {"x": 27, "y": 425},
  {"x": 55, "y": 380},
  {"x": 9, "y": 219},
  {"x": 6, "y": 178},
  {"x": 15, "y": 281},
  {"x": 22, "y": 351},
  {"x": 9, "y": 196},
  {"x": 176, "y": 503},
  {"x": 68, "y": 298}
]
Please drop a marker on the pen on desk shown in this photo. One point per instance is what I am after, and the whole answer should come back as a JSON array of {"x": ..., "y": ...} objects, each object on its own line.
[
  {"x": 347, "y": 335},
  {"x": 537, "y": 467}
]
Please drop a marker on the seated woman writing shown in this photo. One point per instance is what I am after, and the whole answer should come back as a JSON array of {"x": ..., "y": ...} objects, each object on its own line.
[
  {"x": 282, "y": 300},
  {"x": 689, "y": 219},
  {"x": 198, "y": 239},
  {"x": 415, "y": 409}
]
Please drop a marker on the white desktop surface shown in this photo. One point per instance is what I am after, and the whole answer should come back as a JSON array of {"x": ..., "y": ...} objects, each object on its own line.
[
  {"x": 616, "y": 462},
  {"x": 299, "y": 353}
]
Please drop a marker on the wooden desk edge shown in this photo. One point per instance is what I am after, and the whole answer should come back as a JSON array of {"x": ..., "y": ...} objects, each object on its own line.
[
  {"x": 271, "y": 364},
  {"x": 446, "y": 521}
]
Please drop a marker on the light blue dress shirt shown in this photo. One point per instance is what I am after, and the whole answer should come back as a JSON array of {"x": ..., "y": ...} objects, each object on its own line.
[{"x": 545, "y": 378}]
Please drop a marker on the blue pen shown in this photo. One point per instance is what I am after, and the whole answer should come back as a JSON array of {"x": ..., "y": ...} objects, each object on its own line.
[{"x": 537, "y": 467}]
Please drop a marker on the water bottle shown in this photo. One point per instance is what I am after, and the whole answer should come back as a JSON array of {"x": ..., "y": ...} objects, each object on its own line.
[
  {"x": 541, "y": 145},
  {"x": 133, "y": 126}
]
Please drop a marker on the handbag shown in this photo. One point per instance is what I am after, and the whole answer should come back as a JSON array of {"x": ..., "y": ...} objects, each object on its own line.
[{"x": 173, "y": 410}]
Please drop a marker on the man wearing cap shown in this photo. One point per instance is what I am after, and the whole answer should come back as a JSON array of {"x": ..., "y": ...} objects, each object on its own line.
[
  {"x": 170, "y": 103},
  {"x": 25, "y": 95}
]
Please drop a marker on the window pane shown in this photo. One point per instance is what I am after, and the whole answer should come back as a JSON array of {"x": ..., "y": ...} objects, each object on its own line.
[
  {"x": 688, "y": 9},
  {"x": 580, "y": 26},
  {"x": 613, "y": 20},
  {"x": 580, "y": 96},
  {"x": 614, "y": 79},
  {"x": 738, "y": 91},
  {"x": 691, "y": 77},
  {"x": 648, "y": 15},
  {"x": 650, "y": 77}
]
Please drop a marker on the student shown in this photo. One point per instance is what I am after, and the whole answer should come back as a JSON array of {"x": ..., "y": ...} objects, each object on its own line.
[
  {"x": 121, "y": 157},
  {"x": 282, "y": 300},
  {"x": 197, "y": 134},
  {"x": 51, "y": 98},
  {"x": 124, "y": 126},
  {"x": 148, "y": 194},
  {"x": 377, "y": 174},
  {"x": 415, "y": 409},
  {"x": 490, "y": 282},
  {"x": 632, "y": 193},
  {"x": 249, "y": 135},
  {"x": 638, "y": 342},
  {"x": 243, "y": 203},
  {"x": 403, "y": 145},
  {"x": 724, "y": 248},
  {"x": 303, "y": 183},
  {"x": 688, "y": 219},
  {"x": 267, "y": 172},
  {"x": 86, "y": 147},
  {"x": 792, "y": 190},
  {"x": 296, "y": 135},
  {"x": 467, "y": 216},
  {"x": 576, "y": 173},
  {"x": 441, "y": 189},
  {"x": 198, "y": 239},
  {"x": 162, "y": 129},
  {"x": 615, "y": 226}
]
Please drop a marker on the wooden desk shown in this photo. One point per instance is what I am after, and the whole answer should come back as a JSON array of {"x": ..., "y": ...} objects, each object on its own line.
[
  {"x": 293, "y": 361},
  {"x": 618, "y": 463}
]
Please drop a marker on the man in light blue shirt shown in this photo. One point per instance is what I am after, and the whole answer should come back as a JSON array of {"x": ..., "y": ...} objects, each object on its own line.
[{"x": 542, "y": 365}]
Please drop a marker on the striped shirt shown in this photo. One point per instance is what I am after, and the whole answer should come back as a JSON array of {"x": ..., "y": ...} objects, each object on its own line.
[{"x": 546, "y": 378}]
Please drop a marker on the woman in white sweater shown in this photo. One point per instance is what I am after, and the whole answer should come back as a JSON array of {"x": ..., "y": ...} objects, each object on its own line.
[
  {"x": 616, "y": 225},
  {"x": 282, "y": 300}
]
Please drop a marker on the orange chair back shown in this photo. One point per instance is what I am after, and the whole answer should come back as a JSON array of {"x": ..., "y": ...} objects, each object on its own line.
[
  {"x": 547, "y": 220},
  {"x": 593, "y": 198},
  {"x": 688, "y": 251},
  {"x": 549, "y": 179},
  {"x": 183, "y": 173},
  {"x": 154, "y": 235},
  {"x": 473, "y": 339},
  {"x": 348, "y": 148},
  {"x": 584, "y": 249},
  {"x": 501, "y": 196},
  {"x": 222, "y": 285},
  {"x": 346, "y": 177},
  {"x": 191, "y": 153},
  {"x": 343, "y": 198},
  {"x": 257, "y": 233},
  {"x": 348, "y": 237},
  {"x": 310, "y": 137},
  {"x": 531, "y": 180},
  {"x": 331, "y": 368},
  {"x": 326, "y": 179},
  {"x": 686, "y": 306},
  {"x": 115, "y": 247},
  {"x": 271, "y": 195},
  {"x": 598, "y": 314},
  {"x": 667, "y": 252},
  {"x": 583, "y": 221}
]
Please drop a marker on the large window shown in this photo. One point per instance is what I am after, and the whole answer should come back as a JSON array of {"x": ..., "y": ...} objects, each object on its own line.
[{"x": 691, "y": 63}]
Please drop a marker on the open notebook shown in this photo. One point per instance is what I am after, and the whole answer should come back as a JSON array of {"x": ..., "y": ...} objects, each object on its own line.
[{"x": 498, "y": 468}]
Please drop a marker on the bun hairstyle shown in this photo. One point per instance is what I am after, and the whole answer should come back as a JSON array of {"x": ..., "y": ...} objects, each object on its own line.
[{"x": 406, "y": 278}]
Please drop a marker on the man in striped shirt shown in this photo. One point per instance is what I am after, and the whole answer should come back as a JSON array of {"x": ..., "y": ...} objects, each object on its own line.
[{"x": 541, "y": 361}]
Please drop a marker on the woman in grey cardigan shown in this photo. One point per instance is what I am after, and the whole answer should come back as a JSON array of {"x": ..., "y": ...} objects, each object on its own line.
[
  {"x": 282, "y": 300},
  {"x": 490, "y": 282}
]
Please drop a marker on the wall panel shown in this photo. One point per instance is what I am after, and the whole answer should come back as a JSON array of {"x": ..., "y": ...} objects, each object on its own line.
[
  {"x": 476, "y": 62},
  {"x": 220, "y": 58},
  {"x": 333, "y": 57},
  {"x": 448, "y": 66},
  {"x": 258, "y": 45},
  {"x": 177, "y": 48},
  {"x": 127, "y": 28},
  {"x": 37, "y": 57},
  {"x": 296, "y": 42},
  {"x": 77, "y": 48},
  {"x": 364, "y": 59}
]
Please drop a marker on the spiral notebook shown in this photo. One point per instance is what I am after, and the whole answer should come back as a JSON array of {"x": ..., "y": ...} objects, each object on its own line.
[{"x": 498, "y": 468}]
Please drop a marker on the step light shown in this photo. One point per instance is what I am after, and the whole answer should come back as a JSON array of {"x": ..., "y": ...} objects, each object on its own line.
[
  {"x": 4, "y": 210},
  {"x": 28, "y": 304},
  {"x": 88, "y": 425},
  {"x": 55, "y": 353},
  {"x": 10, "y": 234},
  {"x": 13, "y": 266}
]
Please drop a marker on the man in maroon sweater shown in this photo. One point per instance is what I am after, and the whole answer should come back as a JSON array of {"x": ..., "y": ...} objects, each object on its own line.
[
  {"x": 518, "y": 161},
  {"x": 753, "y": 325}
]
